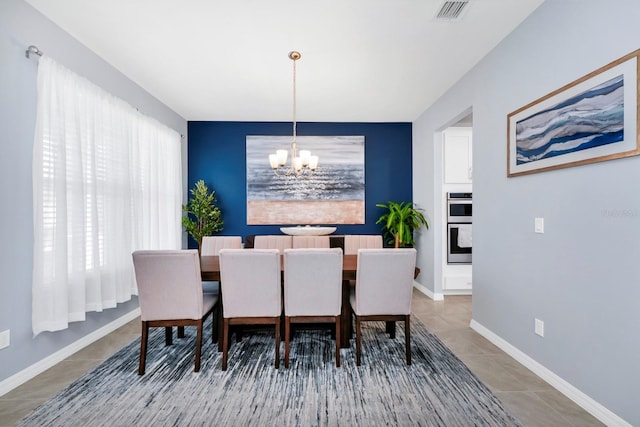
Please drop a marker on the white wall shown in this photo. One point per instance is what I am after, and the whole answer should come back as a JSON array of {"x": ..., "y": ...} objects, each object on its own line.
[
  {"x": 20, "y": 26},
  {"x": 581, "y": 277}
]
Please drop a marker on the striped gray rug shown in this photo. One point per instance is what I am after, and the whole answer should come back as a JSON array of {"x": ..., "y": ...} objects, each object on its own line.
[{"x": 436, "y": 390}]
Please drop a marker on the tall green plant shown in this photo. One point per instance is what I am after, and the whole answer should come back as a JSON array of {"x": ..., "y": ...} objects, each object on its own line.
[
  {"x": 203, "y": 216},
  {"x": 399, "y": 221}
]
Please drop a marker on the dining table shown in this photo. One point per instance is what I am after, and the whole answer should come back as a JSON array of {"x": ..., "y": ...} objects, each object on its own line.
[{"x": 210, "y": 271}]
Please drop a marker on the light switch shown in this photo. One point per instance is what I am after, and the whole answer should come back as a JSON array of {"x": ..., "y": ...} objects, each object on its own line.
[
  {"x": 539, "y": 225},
  {"x": 5, "y": 338}
]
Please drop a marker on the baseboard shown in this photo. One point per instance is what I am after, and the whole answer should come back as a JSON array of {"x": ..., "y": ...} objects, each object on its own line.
[
  {"x": 433, "y": 295},
  {"x": 587, "y": 403},
  {"x": 458, "y": 292},
  {"x": 37, "y": 368}
]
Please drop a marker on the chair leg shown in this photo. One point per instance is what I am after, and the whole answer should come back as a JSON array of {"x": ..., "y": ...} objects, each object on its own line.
[
  {"x": 407, "y": 337},
  {"x": 338, "y": 341},
  {"x": 225, "y": 343},
  {"x": 168, "y": 335},
  {"x": 277, "y": 342},
  {"x": 198, "y": 345},
  {"x": 143, "y": 348},
  {"x": 180, "y": 331},
  {"x": 214, "y": 329},
  {"x": 220, "y": 327},
  {"x": 358, "y": 341},
  {"x": 391, "y": 329},
  {"x": 287, "y": 330}
]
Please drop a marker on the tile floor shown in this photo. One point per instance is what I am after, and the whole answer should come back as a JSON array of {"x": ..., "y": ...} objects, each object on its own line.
[{"x": 531, "y": 400}]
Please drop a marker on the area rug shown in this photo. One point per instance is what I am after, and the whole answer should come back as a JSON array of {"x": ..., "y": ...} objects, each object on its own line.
[{"x": 436, "y": 390}]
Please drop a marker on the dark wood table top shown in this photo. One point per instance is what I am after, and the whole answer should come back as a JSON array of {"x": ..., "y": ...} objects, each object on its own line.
[{"x": 210, "y": 267}]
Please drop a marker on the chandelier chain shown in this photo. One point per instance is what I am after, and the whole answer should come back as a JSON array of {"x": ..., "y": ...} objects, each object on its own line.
[{"x": 294, "y": 101}]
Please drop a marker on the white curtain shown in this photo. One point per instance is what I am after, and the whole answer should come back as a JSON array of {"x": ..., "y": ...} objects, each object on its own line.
[{"x": 107, "y": 180}]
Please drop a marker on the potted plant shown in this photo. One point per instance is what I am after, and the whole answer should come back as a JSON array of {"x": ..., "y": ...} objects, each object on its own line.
[
  {"x": 203, "y": 216},
  {"x": 399, "y": 221}
]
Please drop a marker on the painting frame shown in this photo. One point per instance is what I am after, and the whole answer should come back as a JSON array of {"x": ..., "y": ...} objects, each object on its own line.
[
  {"x": 333, "y": 194},
  {"x": 547, "y": 134}
]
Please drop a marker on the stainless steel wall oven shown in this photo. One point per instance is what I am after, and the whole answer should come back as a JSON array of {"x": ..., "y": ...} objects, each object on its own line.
[{"x": 459, "y": 221}]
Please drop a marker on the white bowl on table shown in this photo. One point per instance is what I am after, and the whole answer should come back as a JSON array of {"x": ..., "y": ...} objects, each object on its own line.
[{"x": 307, "y": 230}]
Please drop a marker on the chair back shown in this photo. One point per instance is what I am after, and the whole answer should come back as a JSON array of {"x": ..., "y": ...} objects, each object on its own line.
[
  {"x": 310, "y": 242},
  {"x": 169, "y": 284},
  {"x": 384, "y": 281},
  {"x": 273, "y": 242},
  {"x": 312, "y": 282},
  {"x": 353, "y": 242},
  {"x": 211, "y": 245},
  {"x": 250, "y": 282}
]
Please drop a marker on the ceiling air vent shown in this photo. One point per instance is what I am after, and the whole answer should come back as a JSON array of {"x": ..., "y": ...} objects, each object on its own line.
[{"x": 452, "y": 10}]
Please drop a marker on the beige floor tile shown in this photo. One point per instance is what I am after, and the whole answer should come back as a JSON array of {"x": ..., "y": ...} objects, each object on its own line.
[
  {"x": 531, "y": 410},
  {"x": 12, "y": 411},
  {"x": 568, "y": 409},
  {"x": 106, "y": 346},
  {"x": 50, "y": 382},
  {"x": 490, "y": 370}
]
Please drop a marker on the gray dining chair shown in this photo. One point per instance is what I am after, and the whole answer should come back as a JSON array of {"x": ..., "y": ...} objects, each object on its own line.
[
  {"x": 170, "y": 294},
  {"x": 383, "y": 291},
  {"x": 312, "y": 290},
  {"x": 251, "y": 292}
]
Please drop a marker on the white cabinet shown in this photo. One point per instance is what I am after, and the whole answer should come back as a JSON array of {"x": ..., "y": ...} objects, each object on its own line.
[{"x": 457, "y": 155}]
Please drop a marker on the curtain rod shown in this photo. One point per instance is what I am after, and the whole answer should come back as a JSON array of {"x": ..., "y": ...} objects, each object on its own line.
[{"x": 32, "y": 49}]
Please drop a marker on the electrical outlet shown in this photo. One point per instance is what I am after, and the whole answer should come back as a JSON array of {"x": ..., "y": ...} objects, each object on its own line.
[
  {"x": 539, "y": 327},
  {"x": 5, "y": 338},
  {"x": 538, "y": 226}
]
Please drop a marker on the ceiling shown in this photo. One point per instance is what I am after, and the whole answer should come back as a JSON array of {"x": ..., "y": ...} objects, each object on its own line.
[{"x": 227, "y": 60}]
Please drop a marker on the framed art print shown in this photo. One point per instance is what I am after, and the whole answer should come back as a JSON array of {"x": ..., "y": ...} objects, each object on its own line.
[{"x": 592, "y": 119}]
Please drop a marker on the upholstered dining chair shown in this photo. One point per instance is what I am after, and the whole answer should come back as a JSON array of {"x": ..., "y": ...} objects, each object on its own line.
[
  {"x": 384, "y": 286},
  {"x": 170, "y": 294},
  {"x": 312, "y": 290},
  {"x": 251, "y": 292},
  {"x": 272, "y": 242},
  {"x": 353, "y": 242},
  {"x": 211, "y": 245},
  {"x": 310, "y": 242}
]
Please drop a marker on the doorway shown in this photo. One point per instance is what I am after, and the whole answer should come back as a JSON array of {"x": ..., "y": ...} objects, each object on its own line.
[{"x": 457, "y": 184}]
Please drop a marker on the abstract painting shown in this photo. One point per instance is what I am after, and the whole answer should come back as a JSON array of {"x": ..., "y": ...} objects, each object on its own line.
[
  {"x": 332, "y": 194},
  {"x": 592, "y": 119}
]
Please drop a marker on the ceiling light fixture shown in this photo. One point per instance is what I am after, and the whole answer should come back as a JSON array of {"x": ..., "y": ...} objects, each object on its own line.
[{"x": 301, "y": 161}]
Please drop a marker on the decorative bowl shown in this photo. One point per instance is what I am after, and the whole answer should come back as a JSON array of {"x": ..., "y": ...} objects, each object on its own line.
[{"x": 307, "y": 230}]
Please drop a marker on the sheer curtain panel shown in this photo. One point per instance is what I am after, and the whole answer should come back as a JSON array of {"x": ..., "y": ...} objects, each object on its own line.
[{"x": 107, "y": 181}]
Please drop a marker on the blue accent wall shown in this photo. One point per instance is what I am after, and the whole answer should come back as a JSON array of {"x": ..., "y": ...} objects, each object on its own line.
[{"x": 217, "y": 156}]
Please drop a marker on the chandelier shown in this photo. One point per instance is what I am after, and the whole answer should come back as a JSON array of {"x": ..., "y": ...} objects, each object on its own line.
[{"x": 300, "y": 161}]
